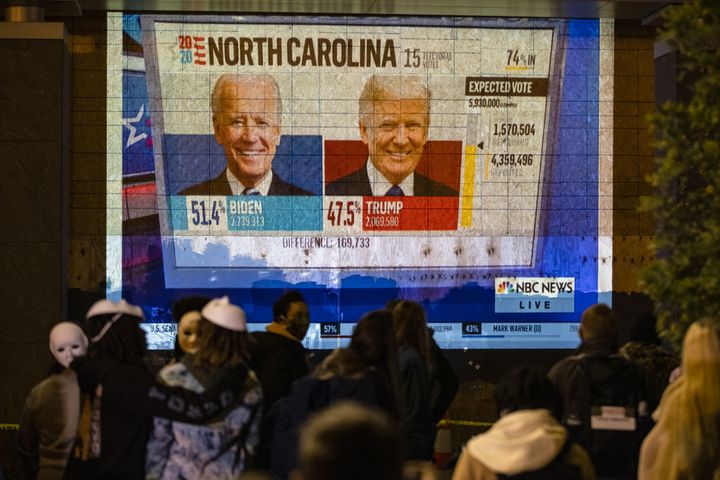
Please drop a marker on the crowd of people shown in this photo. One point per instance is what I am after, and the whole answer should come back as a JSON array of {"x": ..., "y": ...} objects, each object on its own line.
[{"x": 232, "y": 404}]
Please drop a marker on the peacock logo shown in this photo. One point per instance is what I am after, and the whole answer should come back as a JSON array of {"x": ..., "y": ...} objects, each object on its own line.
[{"x": 505, "y": 288}]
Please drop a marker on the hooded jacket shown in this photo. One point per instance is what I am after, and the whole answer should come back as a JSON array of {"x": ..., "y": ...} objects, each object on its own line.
[
  {"x": 521, "y": 441},
  {"x": 218, "y": 450}
]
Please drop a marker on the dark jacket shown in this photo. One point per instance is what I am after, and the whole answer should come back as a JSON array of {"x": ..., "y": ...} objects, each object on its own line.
[
  {"x": 220, "y": 186},
  {"x": 444, "y": 382},
  {"x": 130, "y": 398},
  {"x": 657, "y": 364},
  {"x": 312, "y": 394},
  {"x": 277, "y": 361},
  {"x": 358, "y": 183},
  {"x": 418, "y": 421},
  {"x": 48, "y": 426}
]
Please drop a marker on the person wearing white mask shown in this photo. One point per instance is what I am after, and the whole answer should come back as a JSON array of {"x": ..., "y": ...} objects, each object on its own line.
[
  {"x": 49, "y": 420},
  {"x": 186, "y": 313}
]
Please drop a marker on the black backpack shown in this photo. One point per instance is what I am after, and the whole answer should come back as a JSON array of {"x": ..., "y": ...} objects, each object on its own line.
[{"x": 604, "y": 409}]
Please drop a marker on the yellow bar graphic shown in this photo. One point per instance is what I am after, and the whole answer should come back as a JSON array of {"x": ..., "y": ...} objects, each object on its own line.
[{"x": 468, "y": 189}]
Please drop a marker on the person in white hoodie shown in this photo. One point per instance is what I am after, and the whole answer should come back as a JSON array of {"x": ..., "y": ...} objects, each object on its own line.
[{"x": 527, "y": 441}]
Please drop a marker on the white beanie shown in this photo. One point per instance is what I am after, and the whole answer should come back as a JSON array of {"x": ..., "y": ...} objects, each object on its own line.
[
  {"x": 106, "y": 307},
  {"x": 103, "y": 307},
  {"x": 223, "y": 313}
]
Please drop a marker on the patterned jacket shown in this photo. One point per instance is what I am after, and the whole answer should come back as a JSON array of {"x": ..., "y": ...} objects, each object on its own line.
[{"x": 217, "y": 450}]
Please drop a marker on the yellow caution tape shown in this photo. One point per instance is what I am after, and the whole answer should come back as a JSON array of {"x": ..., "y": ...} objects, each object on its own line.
[
  {"x": 464, "y": 423},
  {"x": 9, "y": 426}
]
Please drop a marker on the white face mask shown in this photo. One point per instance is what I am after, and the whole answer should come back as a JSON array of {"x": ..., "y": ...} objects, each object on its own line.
[{"x": 67, "y": 341}]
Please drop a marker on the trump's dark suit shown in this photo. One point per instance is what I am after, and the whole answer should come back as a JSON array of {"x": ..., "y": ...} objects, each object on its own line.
[{"x": 358, "y": 183}]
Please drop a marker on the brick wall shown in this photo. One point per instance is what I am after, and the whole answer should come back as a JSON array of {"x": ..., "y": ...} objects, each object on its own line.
[{"x": 633, "y": 152}]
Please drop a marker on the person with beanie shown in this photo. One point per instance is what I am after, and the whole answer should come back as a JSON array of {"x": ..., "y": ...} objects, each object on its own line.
[{"x": 220, "y": 449}]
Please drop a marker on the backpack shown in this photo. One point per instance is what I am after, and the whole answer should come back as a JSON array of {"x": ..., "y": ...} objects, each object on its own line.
[
  {"x": 558, "y": 469},
  {"x": 604, "y": 410}
]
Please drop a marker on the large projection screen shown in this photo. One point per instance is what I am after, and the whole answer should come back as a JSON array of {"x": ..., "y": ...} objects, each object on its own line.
[{"x": 502, "y": 230}]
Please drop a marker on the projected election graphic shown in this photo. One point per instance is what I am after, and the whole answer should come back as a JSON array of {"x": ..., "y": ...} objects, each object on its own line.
[
  {"x": 454, "y": 120},
  {"x": 453, "y": 162}
]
